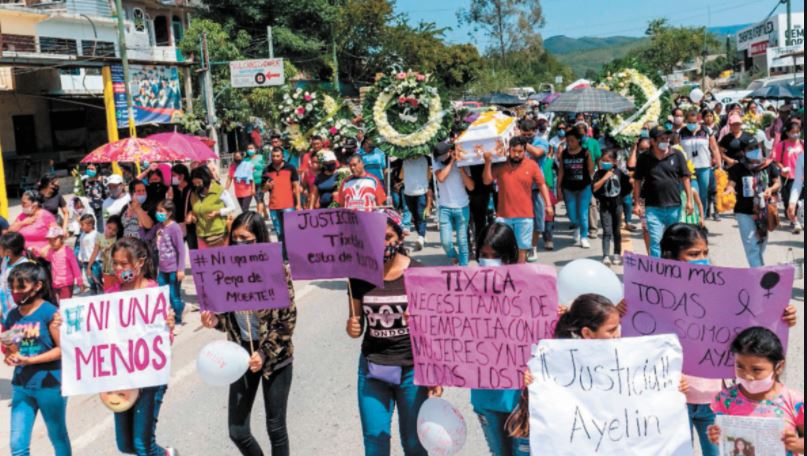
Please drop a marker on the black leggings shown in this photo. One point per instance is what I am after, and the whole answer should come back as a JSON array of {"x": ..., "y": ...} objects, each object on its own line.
[
  {"x": 479, "y": 203},
  {"x": 275, "y": 400},
  {"x": 244, "y": 203},
  {"x": 611, "y": 219}
]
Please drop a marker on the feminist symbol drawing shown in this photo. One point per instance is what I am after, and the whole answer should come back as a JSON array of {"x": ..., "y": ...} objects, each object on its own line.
[{"x": 769, "y": 282}]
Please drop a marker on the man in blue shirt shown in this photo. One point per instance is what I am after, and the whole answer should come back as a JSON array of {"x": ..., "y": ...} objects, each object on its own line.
[
  {"x": 375, "y": 160},
  {"x": 537, "y": 149}
]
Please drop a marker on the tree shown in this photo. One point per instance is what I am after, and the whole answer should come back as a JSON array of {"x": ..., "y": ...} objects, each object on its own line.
[
  {"x": 670, "y": 47},
  {"x": 513, "y": 24}
]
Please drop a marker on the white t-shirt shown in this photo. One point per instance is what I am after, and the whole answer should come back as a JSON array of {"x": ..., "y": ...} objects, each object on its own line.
[
  {"x": 113, "y": 206},
  {"x": 416, "y": 176},
  {"x": 86, "y": 244},
  {"x": 451, "y": 193}
]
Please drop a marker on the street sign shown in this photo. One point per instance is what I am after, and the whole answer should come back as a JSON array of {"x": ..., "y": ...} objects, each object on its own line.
[{"x": 257, "y": 73}]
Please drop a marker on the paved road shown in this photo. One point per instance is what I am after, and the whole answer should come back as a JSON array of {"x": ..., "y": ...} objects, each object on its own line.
[{"x": 323, "y": 417}]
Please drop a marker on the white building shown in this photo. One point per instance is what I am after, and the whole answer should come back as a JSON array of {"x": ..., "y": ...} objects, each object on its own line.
[{"x": 763, "y": 45}]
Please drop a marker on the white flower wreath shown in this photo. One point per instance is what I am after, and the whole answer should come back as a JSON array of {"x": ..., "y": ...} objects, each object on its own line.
[
  {"x": 422, "y": 136},
  {"x": 621, "y": 83}
]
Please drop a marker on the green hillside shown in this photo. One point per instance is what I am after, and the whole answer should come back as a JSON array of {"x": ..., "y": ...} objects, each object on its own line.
[
  {"x": 565, "y": 45},
  {"x": 585, "y": 60}
]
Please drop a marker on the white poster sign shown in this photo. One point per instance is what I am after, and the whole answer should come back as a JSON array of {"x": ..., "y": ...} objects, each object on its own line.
[
  {"x": 747, "y": 435},
  {"x": 257, "y": 73},
  {"x": 115, "y": 341},
  {"x": 608, "y": 397}
]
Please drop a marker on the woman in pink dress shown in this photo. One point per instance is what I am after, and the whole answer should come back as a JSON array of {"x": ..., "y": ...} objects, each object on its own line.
[{"x": 34, "y": 221}]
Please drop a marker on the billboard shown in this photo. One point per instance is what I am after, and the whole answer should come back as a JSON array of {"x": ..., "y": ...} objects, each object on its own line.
[
  {"x": 774, "y": 32},
  {"x": 257, "y": 73},
  {"x": 156, "y": 94}
]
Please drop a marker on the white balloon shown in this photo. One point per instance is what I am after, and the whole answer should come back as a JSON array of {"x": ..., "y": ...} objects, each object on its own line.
[
  {"x": 222, "y": 362},
  {"x": 696, "y": 95},
  {"x": 588, "y": 276},
  {"x": 441, "y": 428}
]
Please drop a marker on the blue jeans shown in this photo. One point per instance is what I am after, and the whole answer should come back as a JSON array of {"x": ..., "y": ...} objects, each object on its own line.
[
  {"x": 94, "y": 276},
  {"x": 455, "y": 221},
  {"x": 539, "y": 212},
  {"x": 175, "y": 290},
  {"x": 136, "y": 428},
  {"x": 701, "y": 417},
  {"x": 417, "y": 206},
  {"x": 499, "y": 442},
  {"x": 577, "y": 204},
  {"x": 754, "y": 248},
  {"x": 704, "y": 177},
  {"x": 658, "y": 220},
  {"x": 627, "y": 208},
  {"x": 522, "y": 228},
  {"x": 400, "y": 206},
  {"x": 377, "y": 401},
  {"x": 277, "y": 220},
  {"x": 25, "y": 404}
]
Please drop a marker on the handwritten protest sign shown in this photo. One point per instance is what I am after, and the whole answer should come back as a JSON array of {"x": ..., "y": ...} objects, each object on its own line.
[
  {"x": 750, "y": 435},
  {"x": 706, "y": 306},
  {"x": 608, "y": 397},
  {"x": 474, "y": 328},
  {"x": 115, "y": 341},
  {"x": 336, "y": 243},
  {"x": 242, "y": 277}
]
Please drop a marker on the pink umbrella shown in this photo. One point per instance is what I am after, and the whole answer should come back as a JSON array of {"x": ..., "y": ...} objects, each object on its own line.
[
  {"x": 133, "y": 150},
  {"x": 191, "y": 147}
]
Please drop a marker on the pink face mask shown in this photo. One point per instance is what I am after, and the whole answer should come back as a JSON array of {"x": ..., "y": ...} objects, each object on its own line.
[{"x": 757, "y": 386}]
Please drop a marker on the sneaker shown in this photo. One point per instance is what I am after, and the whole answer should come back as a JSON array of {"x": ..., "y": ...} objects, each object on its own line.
[
  {"x": 630, "y": 227},
  {"x": 716, "y": 217},
  {"x": 549, "y": 246},
  {"x": 797, "y": 228},
  {"x": 617, "y": 260},
  {"x": 592, "y": 235},
  {"x": 533, "y": 257},
  {"x": 577, "y": 237},
  {"x": 585, "y": 244},
  {"x": 606, "y": 260},
  {"x": 171, "y": 452},
  {"x": 419, "y": 244}
]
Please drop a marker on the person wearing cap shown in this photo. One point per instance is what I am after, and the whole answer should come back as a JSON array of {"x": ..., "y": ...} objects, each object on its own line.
[
  {"x": 283, "y": 183},
  {"x": 543, "y": 127},
  {"x": 734, "y": 143},
  {"x": 386, "y": 374},
  {"x": 361, "y": 191},
  {"x": 118, "y": 199},
  {"x": 453, "y": 185},
  {"x": 349, "y": 147},
  {"x": 64, "y": 268},
  {"x": 375, "y": 160},
  {"x": 326, "y": 183},
  {"x": 658, "y": 178},
  {"x": 755, "y": 180}
]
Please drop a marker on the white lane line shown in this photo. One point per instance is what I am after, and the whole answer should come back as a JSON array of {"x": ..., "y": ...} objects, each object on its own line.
[{"x": 103, "y": 428}]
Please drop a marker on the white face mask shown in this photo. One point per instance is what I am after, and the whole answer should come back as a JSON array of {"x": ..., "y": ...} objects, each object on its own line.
[
  {"x": 174, "y": 181},
  {"x": 490, "y": 262},
  {"x": 757, "y": 386},
  {"x": 28, "y": 210}
]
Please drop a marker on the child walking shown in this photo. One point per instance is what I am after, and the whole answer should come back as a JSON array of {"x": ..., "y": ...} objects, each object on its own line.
[
  {"x": 171, "y": 249},
  {"x": 611, "y": 186},
  {"x": 87, "y": 241},
  {"x": 102, "y": 253},
  {"x": 36, "y": 357},
  {"x": 64, "y": 268},
  {"x": 759, "y": 364}
]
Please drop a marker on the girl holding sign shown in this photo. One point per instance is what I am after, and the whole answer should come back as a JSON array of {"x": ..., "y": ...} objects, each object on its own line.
[
  {"x": 136, "y": 428},
  {"x": 386, "y": 366},
  {"x": 35, "y": 354},
  {"x": 267, "y": 335},
  {"x": 760, "y": 362}
]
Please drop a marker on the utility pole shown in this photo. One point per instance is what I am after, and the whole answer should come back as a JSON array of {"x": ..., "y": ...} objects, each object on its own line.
[
  {"x": 270, "y": 39},
  {"x": 789, "y": 32},
  {"x": 209, "y": 102},
  {"x": 125, "y": 63}
]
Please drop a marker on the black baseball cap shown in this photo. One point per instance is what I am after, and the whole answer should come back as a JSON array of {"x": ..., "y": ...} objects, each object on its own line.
[
  {"x": 659, "y": 131},
  {"x": 442, "y": 149}
]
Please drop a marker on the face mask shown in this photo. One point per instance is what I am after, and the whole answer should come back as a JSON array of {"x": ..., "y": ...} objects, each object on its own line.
[
  {"x": 794, "y": 137},
  {"x": 490, "y": 262},
  {"x": 754, "y": 155},
  {"x": 22, "y": 298},
  {"x": 126, "y": 275},
  {"x": 644, "y": 134},
  {"x": 141, "y": 198},
  {"x": 606, "y": 166},
  {"x": 250, "y": 152},
  {"x": 757, "y": 386},
  {"x": 115, "y": 192},
  {"x": 174, "y": 181},
  {"x": 91, "y": 173},
  {"x": 668, "y": 126},
  {"x": 692, "y": 127},
  {"x": 161, "y": 217},
  {"x": 701, "y": 262},
  {"x": 146, "y": 164},
  {"x": 389, "y": 252},
  {"x": 561, "y": 134},
  {"x": 28, "y": 210},
  {"x": 664, "y": 146}
]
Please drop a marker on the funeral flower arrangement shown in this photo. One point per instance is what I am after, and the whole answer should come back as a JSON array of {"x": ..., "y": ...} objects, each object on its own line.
[
  {"x": 304, "y": 113},
  {"x": 636, "y": 86},
  {"x": 405, "y": 114},
  {"x": 338, "y": 130}
]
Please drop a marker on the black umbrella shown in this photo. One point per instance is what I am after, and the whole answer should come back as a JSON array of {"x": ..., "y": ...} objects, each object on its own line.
[
  {"x": 591, "y": 100},
  {"x": 777, "y": 92}
]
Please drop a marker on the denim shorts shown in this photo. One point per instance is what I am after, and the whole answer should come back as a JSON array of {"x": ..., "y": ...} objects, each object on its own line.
[{"x": 523, "y": 228}]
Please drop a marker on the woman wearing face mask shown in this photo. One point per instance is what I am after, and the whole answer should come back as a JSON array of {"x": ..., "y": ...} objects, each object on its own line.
[
  {"x": 36, "y": 357},
  {"x": 786, "y": 155},
  {"x": 758, "y": 392},
  {"x": 576, "y": 170},
  {"x": 755, "y": 182},
  {"x": 210, "y": 207},
  {"x": 33, "y": 223},
  {"x": 53, "y": 201},
  {"x": 267, "y": 335},
  {"x": 180, "y": 194},
  {"x": 134, "y": 216},
  {"x": 95, "y": 192},
  {"x": 326, "y": 183},
  {"x": 678, "y": 119},
  {"x": 689, "y": 243},
  {"x": 386, "y": 365},
  {"x": 242, "y": 178}
]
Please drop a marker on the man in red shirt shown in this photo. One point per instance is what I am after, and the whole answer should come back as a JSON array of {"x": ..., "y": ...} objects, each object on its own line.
[
  {"x": 361, "y": 191},
  {"x": 515, "y": 180},
  {"x": 283, "y": 183}
]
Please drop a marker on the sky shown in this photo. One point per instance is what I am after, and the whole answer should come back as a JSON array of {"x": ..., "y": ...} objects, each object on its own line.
[{"x": 578, "y": 18}]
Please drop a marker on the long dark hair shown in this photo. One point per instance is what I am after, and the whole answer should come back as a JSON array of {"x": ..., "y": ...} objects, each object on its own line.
[
  {"x": 136, "y": 249},
  {"x": 116, "y": 220},
  {"x": 587, "y": 311},
  {"x": 14, "y": 242},
  {"x": 679, "y": 237},
  {"x": 760, "y": 342},
  {"x": 254, "y": 223},
  {"x": 501, "y": 239},
  {"x": 203, "y": 174},
  {"x": 33, "y": 272}
]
